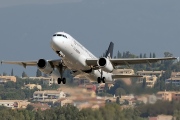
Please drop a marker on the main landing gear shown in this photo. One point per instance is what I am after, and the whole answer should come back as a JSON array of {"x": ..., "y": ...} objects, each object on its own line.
[
  {"x": 101, "y": 79},
  {"x": 61, "y": 71},
  {"x": 63, "y": 80}
]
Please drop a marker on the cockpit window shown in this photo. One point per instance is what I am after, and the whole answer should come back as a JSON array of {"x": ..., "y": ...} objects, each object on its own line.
[{"x": 60, "y": 35}]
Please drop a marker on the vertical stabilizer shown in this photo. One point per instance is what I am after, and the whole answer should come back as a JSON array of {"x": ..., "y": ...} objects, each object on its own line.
[{"x": 109, "y": 52}]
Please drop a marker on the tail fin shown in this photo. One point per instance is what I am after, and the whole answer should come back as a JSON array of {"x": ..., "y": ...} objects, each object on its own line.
[{"x": 109, "y": 52}]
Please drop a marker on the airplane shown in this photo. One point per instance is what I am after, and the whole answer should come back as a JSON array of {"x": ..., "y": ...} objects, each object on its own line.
[{"x": 82, "y": 62}]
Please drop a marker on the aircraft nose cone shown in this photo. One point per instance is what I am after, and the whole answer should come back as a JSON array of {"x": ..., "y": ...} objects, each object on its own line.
[{"x": 54, "y": 43}]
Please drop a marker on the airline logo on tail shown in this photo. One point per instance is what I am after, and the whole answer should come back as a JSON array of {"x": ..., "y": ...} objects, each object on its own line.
[{"x": 109, "y": 52}]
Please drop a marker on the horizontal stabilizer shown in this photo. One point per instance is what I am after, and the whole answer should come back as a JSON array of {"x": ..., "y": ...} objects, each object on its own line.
[{"x": 115, "y": 76}]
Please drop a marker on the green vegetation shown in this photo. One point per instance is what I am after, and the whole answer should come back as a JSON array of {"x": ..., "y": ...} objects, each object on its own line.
[
  {"x": 160, "y": 107},
  {"x": 11, "y": 90},
  {"x": 109, "y": 112}
]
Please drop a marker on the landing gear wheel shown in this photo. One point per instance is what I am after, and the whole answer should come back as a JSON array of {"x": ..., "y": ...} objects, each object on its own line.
[
  {"x": 59, "y": 80},
  {"x": 103, "y": 79},
  {"x": 64, "y": 80},
  {"x": 99, "y": 80}
]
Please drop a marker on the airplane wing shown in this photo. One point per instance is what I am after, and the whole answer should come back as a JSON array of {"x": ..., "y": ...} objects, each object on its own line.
[
  {"x": 128, "y": 61},
  {"x": 31, "y": 63},
  {"x": 115, "y": 76}
]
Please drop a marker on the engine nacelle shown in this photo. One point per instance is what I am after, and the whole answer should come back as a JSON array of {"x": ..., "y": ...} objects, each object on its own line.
[
  {"x": 105, "y": 64},
  {"x": 44, "y": 66}
]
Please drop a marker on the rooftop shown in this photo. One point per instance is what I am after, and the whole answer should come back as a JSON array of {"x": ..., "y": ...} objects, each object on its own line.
[{"x": 48, "y": 91}]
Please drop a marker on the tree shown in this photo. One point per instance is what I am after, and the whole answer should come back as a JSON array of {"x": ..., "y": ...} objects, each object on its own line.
[
  {"x": 168, "y": 54},
  {"x": 12, "y": 72},
  {"x": 144, "y": 83},
  {"x": 38, "y": 73},
  {"x": 119, "y": 55},
  {"x": 24, "y": 74},
  {"x": 150, "y": 56},
  {"x": 140, "y": 55},
  {"x": 118, "y": 100},
  {"x": 124, "y": 55},
  {"x": 144, "y": 56},
  {"x": 154, "y": 55},
  {"x": 120, "y": 91},
  {"x": 29, "y": 107}
]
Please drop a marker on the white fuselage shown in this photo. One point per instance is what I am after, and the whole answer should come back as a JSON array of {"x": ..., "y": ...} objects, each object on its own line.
[{"x": 74, "y": 56}]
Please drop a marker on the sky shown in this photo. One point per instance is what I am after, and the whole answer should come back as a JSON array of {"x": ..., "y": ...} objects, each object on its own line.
[
  {"x": 10, "y": 3},
  {"x": 138, "y": 26}
]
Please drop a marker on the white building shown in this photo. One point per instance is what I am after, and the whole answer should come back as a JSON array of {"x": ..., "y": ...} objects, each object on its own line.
[
  {"x": 150, "y": 73},
  {"x": 14, "y": 103},
  {"x": 123, "y": 71},
  {"x": 48, "y": 95},
  {"x": 173, "y": 80},
  {"x": 149, "y": 76},
  {"x": 4, "y": 79},
  {"x": 46, "y": 80},
  {"x": 32, "y": 86}
]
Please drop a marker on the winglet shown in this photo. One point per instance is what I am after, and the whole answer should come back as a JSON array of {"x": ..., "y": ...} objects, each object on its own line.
[{"x": 109, "y": 52}]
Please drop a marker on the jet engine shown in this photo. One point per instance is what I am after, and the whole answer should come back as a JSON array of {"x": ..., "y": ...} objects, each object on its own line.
[
  {"x": 105, "y": 64},
  {"x": 44, "y": 66}
]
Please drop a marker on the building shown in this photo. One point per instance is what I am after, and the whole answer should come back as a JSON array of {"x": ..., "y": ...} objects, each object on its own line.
[
  {"x": 150, "y": 80},
  {"x": 32, "y": 86},
  {"x": 150, "y": 73},
  {"x": 162, "y": 117},
  {"x": 14, "y": 103},
  {"x": 49, "y": 81},
  {"x": 175, "y": 74},
  {"x": 173, "y": 80},
  {"x": 81, "y": 81},
  {"x": 46, "y": 80},
  {"x": 169, "y": 95},
  {"x": 4, "y": 79},
  {"x": 48, "y": 95},
  {"x": 149, "y": 76},
  {"x": 101, "y": 88},
  {"x": 90, "y": 87},
  {"x": 65, "y": 101},
  {"x": 164, "y": 95},
  {"x": 123, "y": 71},
  {"x": 176, "y": 96}
]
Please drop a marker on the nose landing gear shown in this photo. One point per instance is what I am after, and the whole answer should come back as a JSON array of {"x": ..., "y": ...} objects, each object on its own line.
[
  {"x": 101, "y": 79},
  {"x": 61, "y": 71}
]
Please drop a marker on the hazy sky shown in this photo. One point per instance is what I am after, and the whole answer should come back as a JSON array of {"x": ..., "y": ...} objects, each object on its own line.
[
  {"x": 138, "y": 26},
  {"x": 9, "y": 3}
]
